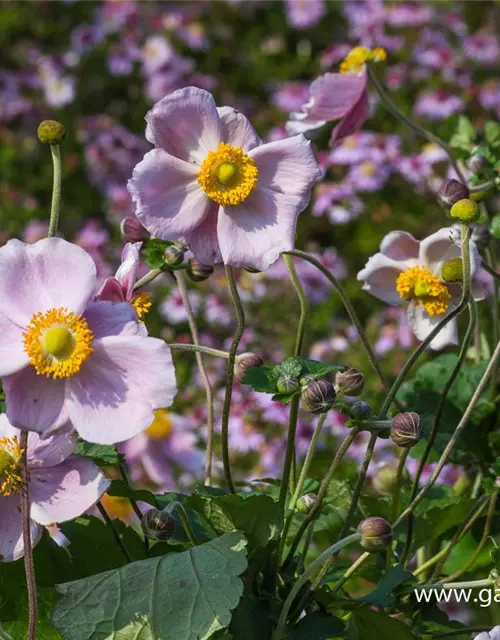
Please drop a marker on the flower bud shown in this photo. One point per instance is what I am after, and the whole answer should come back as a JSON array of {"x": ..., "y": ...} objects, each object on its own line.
[
  {"x": 477, "y": 163},
  {"x": 198, "y": 272},
  {"x": 244, "y": 362},
  {"x": 51, "y": 132},
  {"x": 385, "y": 478},
  {"x": 452, "y": 270},
  {"x": 350, "y": 382},
  {"x": 158, "y": 525},
  {"x": 407, "y": 429},
  {"x": 480, "y": 234},
  {"x": 306, "y": 503},
  {"x": 132, "y": 230},
  {"x": 362, "y": 410},
  {"x": 465, "y": 210},
  {"x": 452, "y": 191},
  {"x": 174, "y": 254},
  {"x": 318, "y": 396},
  {"x": 376, "y": 534},
  {"x": 287, "y": 384}
]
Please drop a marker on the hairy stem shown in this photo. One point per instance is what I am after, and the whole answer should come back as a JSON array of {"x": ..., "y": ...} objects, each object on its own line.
[
  {"x": 114, "y": 531},
  {"x": 124, "y": 476},
  {"x": 29, "y": 566},
  {"x": 198, "y": 348},
  {"x": 149, "y": 277},
  {"x": 56, "y": 190}
]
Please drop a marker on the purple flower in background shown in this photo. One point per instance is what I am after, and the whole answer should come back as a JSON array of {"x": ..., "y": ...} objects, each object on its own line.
[
  {"x": 483, "y": 47},
  {"x": 438, "y": 105},
  {"x": 62, "y": 485},
  {"x": 303, "y": 14},
  {"x": 489, "y": 95},
  {"x": 290, "y": 96},
  {"x": 494, "y": 634}
]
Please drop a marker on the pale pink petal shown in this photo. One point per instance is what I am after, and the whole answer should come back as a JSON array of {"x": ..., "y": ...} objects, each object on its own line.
[
  {"x": 6, "y": 429},
  {"x": 237, "y": 130},
  {"x": 400, "y": 245},
  {"x": 11, "y": 529},
  {"x": 52, "y": 450},
  {"x": 169, "y": 201},
  {"x": 112, "y": 319},
  {"x": 379, "y": 277},
  {"x": 483, "y": 286},
  {"x": 353, "y": 120},
  {"x": 287, "y": 166},
  {"x": 127, "y": 271},
  {"x": 255, "y": 233},
  {"x": 12, "y": 354},
  {"x": 34, "y": 402},
  {"x": 111, "y": 290},
  {"x": 439, "y": 247},
  {"x": 114, "y": 395},
  {"x": 65, "y": 491},
  {"x": 203, "y": 241},
  {"x": 186, "y": 124},
  {"x": 422, "y": 324},
  {"x": 48, "y": 274}
]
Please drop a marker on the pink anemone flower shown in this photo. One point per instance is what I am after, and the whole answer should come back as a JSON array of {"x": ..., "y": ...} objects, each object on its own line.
[
  {"x": 65, "y": 357},
  {"x": 410, "y": 272},
  {"x": 62, "y": 485},
  {"x": 211, "y": 184}
]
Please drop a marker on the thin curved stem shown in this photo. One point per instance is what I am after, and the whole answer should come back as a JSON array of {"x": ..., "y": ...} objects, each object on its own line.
[
  {"x": 187, "y": 526},
  {"x": 198, "y": 348},
  {"x": 124, "y": 476},
  {"x": 338, "y": 546},
  {"x": 29, "y": 566},
  {"x": 399, "y": 481},
  {"x": 303, "y": 301},
  {"x": 56, "y": 190},
  {"x": 307, "y": 462},
  {"x": 355, "y": 565},
  {"x": 114, "y": 531},
  {"x": 149, "y": 277},
  {"x": 181, "y": 283},
  {"x": 240, "y": 327}
]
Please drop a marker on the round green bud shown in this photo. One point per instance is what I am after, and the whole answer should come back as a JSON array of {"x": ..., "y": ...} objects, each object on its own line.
[
  {"x": 319, "y": 396},
  {"x": 306, "y": 502},
  {"x": 376, "y": 534},
  {"x": 287, "y": 384},
  {"x": 385, "y": 478},
  {"x": 158, "y": 525},
  {"x": 174, "y": 255},
  {"x": 465, "y": 210},
  {"x": 362, "y": 410},
  {"x": 452, "y": 270},
  {"x": 51, "y": 132},
  {"x": 197, "y": 271}
]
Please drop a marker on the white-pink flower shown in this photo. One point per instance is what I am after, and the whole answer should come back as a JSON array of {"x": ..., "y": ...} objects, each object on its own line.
[
  {"x": 65, "y": 357},
  {"x": 62, "y": 485},
  {"x": 410, "y": 272},
  {"x": 211, "y": 183}
]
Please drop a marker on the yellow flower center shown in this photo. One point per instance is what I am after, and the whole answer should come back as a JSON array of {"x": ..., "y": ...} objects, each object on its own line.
[
  {"x": 58, "y": 342},
  {"x": 10, "y": 454},
  {"x": 142, "y": 303},
  {"x": 419, "y": 284},
  {"x": 228, "y": 176},
  {"x": 359, "y": 56},
  {"x": 161, "y": 427}
]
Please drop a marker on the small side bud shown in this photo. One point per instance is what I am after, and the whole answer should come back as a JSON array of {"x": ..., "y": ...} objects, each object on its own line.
[
  {"x": 306, "y": 503},
  {"x": 407, "y": 429},
  {"x": 198, "y": 272},
  {"x": 132, "y": 230},
  {"x": 452, "y": 191},
  {"x": 350, "y": 382},
  {"x": 319, "y": 396},
  {"x": 174, "y": 254},
  {"x": 452, "y": 270},
  {"x": 287, "y": 384},
  {"x": 385, "y": 478},
  {"x": 158, "y": 525},
  {"x": 244, "y": 362},
  {"x": 376, "y": 534},
  {"x": 51, "y": 132},
  {"x": 477, "y": 163},
  {"x": 465, "y": 210},
  {"x": 362, "y": 410}
]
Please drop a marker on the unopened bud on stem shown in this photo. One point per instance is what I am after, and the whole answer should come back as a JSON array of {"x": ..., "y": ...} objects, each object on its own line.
[
  {"x": 132, "y": 230},
  {"x": 350, "y": 382},
  {"x": 158, "y": 525},
  {"x": 407, "y": 429},
  {"x": 376, "y": 534},
  {"x": 452, "y": 191},
  {"x": 174, "y": 254},
  {"x": 244, "y": 362},
  {"x": 197, "y": 271},
  {"x": 318, "y": 396},
  {"x": 51, "y": 132},
  {"x": 465, "y": 210},
  {"x": 306, "y": 502}
]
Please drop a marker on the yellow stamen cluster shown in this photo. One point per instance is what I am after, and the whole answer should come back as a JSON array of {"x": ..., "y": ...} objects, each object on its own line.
[
  {"x": 359, "y": 56},
  {"x": 10, "y": 454},
  {"x": 228, "y": 176},
  {"x": 117, "y": 506},
  {"x": 419, "y": 284},
  {"x": 142, "y": 304},
  {"x": 161, "y": 427},
  {"x": 58, "y": 342}
]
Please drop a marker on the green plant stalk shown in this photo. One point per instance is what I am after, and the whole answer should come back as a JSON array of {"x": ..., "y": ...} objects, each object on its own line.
[
  {"x": 303, "y": 302},
  {"x": 305, "y": 548},
  {"x": 198, "y": 348},
  {"x": 187, "y": 527},
  {"x": 240, "y": 327},
  {"x": 490, "y": 262},
  {"x": 146, "y": 279},
  {"x": 357, "y": 563},
  {"x": 399, "y": 481},
  {"x": 56, "y": 190},
  {"x": 209, "y": 396},
  {"x": 115, "y": 533},
  {"x": 29, "y": 566},
  {"x": 124, "y": 476},
  {"x": 472, "y": 584},
  {"x": 279, "y": 633}
]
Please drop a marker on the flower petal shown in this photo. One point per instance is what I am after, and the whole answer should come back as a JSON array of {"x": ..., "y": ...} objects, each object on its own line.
[
  {"x": 114, "y": 395},
  {"x": 48, "y": 274},
  {"x": 437, "y": 248},
  {"x": 400, "y": 245},
  {"x": 203, "y": 241},
  {"x": 186, "y": 124},
  {"x": 287, "y": 166},
  {"x": 379, "y": 277},
  {"x": 112, "y": 319},
  {"x": 11, "y": 529},
  {"x": 34, "y": 402},
  {"x": 237, "y": 130},
  {"x": 52, "y": 450},
  {"x": 255, "y": 233},
  {"x": 65, "y": 491},
  {"x": 169, "y": 201},
  {"x": 353, "y": 120},
  {"x": 111, "y": 290},
  {"x": 422, "y": 324},
  {"x": 127, "y": 271},
  {"x": 13, "y": 357}
]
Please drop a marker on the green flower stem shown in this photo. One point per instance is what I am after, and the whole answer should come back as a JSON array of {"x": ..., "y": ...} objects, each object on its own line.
[
  {"x": 187, "y": 527},
  {"x": 321, "y": 492},
  {"x": 453, "y": 313},
  {"x": 489, "y": 265},
  {"x": 303, "y": 301},
  {"x": 355, "y": 565},
  {"x": 124, "y": 476},
  {"x": 399, "y": 481},
  {"x": 56, "y": 190},
  {"x": 114, "y": 531},
  {"x": 335, "y": 548},
  {"x": 198, "y": 348},
  {"x": 149, "y": 277},
  {"x": 209, "y": 396},
  {"x": 240, "y": 327},
  {"x": 29, "y": 566},
  {"x": 472, "y": 584},
  {"x": 305, "y": 547},
  {"x": 477, "y": 188},
  {"x": 409, "y": 122}
]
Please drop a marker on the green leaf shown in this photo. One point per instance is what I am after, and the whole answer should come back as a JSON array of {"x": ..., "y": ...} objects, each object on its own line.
[
  {"x": 290, "y": 367},
  {"x": 365, "y": 623},
  {"x": 383, "y": 595},
  {"x": 495, "y": 227},
  {"x": 319, "y": 369},
  {"x": 251, "y": 619},
  {"x": 492, "y": 133},
  {"x": 464, "y": 135},
  {"x": 186, "y": 596},
  {"x": 200, "y": 526},
  {"x": 121, "y": 489},
  {"x": 4, "y": 635},
  {"x": 154, "y": 253},
  {"x": 316, "y": 626},
  {"x": 104, "y": 455},
  {"x": 261, "y": 379}
]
